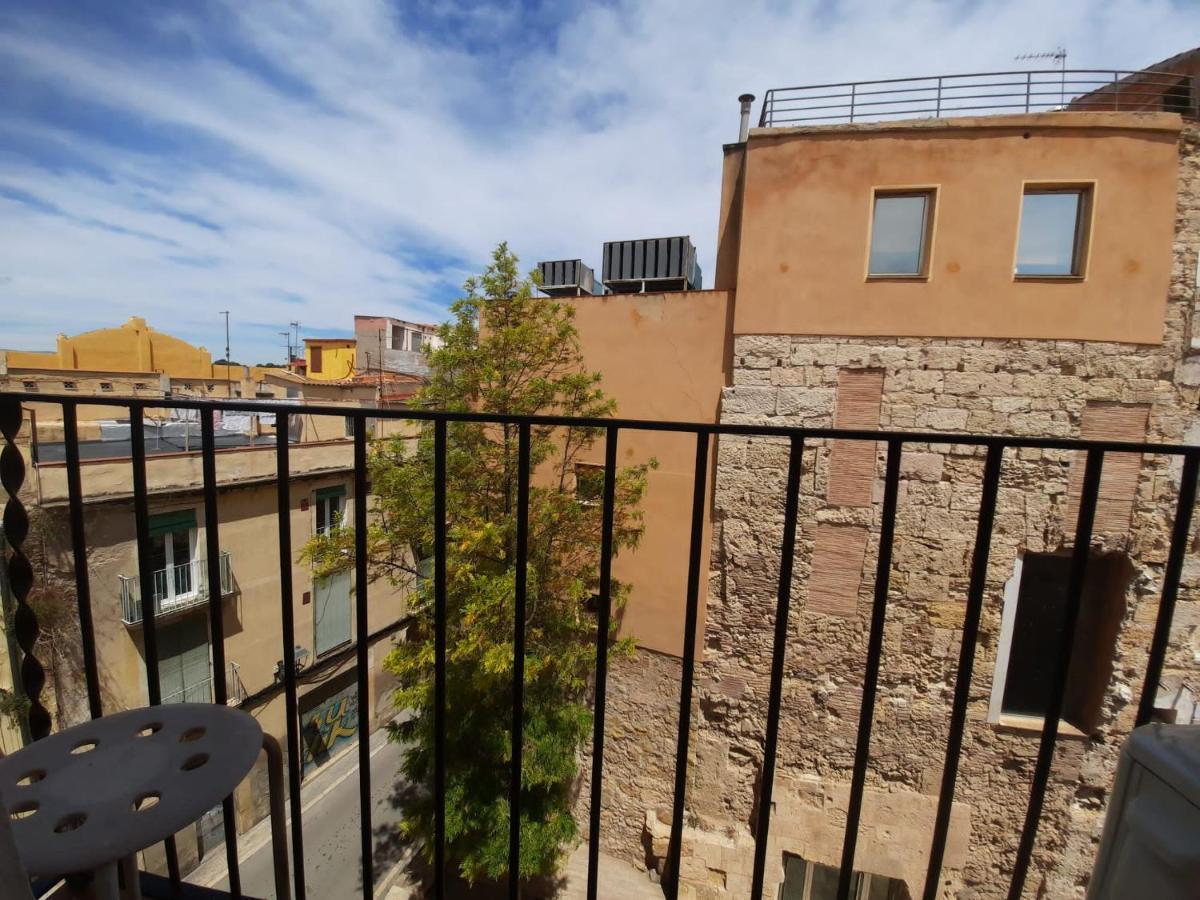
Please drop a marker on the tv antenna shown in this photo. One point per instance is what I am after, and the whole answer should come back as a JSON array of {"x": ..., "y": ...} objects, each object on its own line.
[{"x": 1059, "y": 55}]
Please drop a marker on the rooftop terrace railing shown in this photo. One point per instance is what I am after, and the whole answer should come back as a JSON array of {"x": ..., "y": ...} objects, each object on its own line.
[
  {"x": 979, "y": 93},
  {"x": 993, "y": 446}
]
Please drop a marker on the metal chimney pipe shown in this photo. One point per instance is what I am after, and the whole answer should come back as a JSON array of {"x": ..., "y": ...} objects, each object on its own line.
[{"x": 744, "y": 128}]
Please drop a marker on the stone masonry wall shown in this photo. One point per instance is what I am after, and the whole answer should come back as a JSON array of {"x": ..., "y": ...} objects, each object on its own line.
[{"x": 1025, "y": 387}]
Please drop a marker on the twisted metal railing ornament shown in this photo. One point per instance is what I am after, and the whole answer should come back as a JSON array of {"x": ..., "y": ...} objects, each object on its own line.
[{"x": 20, "y": 572}]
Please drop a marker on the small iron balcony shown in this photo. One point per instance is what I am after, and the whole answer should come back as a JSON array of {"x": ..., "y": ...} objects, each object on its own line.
[{"x": 175, "y": 589}]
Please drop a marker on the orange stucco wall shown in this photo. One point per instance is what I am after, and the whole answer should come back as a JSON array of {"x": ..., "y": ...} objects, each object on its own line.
[
  {"x": 806, "y": 212},
  {"x": 662, "y": 356}
]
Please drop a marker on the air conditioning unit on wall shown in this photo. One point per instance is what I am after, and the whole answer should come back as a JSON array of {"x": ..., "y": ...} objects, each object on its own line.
[{"x": 1151, "y": 842}]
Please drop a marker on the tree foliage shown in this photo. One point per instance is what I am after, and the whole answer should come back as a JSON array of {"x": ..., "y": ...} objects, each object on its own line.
[{"x": 505, "y": 350}]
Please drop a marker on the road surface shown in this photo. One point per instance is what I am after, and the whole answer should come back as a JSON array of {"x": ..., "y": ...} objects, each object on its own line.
[{"x": 333, "y": 870}]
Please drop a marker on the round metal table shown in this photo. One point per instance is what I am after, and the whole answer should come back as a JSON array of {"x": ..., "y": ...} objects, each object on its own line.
[{"x": 90, "y": 797}]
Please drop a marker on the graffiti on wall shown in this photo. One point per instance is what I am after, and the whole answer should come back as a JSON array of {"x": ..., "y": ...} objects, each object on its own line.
[{"x": 326, "y": 726}]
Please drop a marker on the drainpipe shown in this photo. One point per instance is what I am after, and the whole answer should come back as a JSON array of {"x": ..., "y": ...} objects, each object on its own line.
[{"x": 744, "y": 127}]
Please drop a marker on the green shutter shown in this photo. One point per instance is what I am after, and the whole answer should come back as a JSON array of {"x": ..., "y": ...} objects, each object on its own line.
[
  {"x": 183, "y": 665},
  {"x": 338, "y": 490},
  {"x": 331, "y": 612},
  {"x": 179, "y": 520}
]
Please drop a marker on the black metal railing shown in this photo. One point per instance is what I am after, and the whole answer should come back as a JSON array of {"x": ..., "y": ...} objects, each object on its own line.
[
  {"x": 15, "y": 526},
  {"x": 979, "y": 93}
]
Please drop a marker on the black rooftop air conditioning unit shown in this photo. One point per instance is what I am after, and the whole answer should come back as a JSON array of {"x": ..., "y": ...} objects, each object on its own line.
[
  {"x": 567, "y": 278},
  {"x": 651, "y": 264}
]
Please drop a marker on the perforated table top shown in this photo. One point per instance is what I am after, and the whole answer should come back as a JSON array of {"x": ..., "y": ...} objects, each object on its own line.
[{"x": 100, "y": 791}]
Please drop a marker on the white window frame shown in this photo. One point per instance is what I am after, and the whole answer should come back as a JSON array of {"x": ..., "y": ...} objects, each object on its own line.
[
  {"x": 340, "y": 512},
  {"x": 171, "y": 598},
  {"x": 1008, "y": 621}
]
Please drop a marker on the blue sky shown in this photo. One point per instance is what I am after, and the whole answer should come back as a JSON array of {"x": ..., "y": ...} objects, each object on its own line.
[{"x": 312, "y": 160}]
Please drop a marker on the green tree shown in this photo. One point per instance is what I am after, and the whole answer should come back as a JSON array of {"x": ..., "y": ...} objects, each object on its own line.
[{"x": 505, "y": 350}]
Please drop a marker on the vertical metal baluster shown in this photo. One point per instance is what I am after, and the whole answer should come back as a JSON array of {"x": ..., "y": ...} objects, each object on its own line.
[
  {"x": 283, "y": 494},
  {"x": 20, "y": 572},
  {"x": 518, "y": 710},
  {"x": 699, "y": 486},
  {"x": 362, "y": 638},
  {"x": 938, "y": 114},
  {"x": 866, "y": 715},
  {"x": 1166, "y": 605},
  {"x": 141, "y": 518},
  {"x": 603, "y": 626},
  {"x": 1041, "y": 773},
  {"x": 787, "y": 556},
  {"x": 439, "y": 664},
  {"x": 966, "y": 664},
  {"x": 853, "y": 90},
  {"x": 1028, "y": 89},
  {"x": 216, "y": 618},
  {"x": 83, "y": 588}
]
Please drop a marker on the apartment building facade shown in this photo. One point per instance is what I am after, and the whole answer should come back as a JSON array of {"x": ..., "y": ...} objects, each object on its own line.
[
  {"x": 248, "y": 590},
  {"x": 1032, "y": 275},
  {"x": 387, "y": 344}
]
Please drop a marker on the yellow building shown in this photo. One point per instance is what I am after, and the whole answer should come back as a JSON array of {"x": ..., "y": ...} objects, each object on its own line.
[
  {"x": 134, "y": 347},
  {"x": 329, "y": 359}
]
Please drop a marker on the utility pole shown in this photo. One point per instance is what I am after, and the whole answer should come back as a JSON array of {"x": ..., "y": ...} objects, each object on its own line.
[
  {"x": 228, "y": 380},
  {"x": 379, "y": 334}
]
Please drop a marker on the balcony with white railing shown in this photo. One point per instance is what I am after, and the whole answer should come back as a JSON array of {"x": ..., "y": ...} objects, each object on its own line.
[{"x": 174, "y": 589}]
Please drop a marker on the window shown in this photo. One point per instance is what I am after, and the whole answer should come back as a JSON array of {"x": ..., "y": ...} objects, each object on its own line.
[
  {"x": 331, "y": 508},
  {"x": 370, "y": 420},
  {"x": 1031, "y": 628},
  {"x": 314, "y": 364},
  {"x": 30, "y": 386},
  {"x": 1053, "y": 238},
  {"x": 589, "y": 484},
  {"x": 106, "y": 386},
  {"x": 69, "y": 386},
  {"x": 901, "y": 227},
  {"x": 173, "y": 558},
  {"x": 803, "y": 880},
  {"x": 417, "y": 340},
  {"x": 331, "y": 612},
  {"x": 140, "y": 386},
  {"x": 184, "y": 669}
]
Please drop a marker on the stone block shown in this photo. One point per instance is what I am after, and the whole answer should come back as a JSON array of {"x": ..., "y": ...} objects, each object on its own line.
[{"x": 752, "y": 401}]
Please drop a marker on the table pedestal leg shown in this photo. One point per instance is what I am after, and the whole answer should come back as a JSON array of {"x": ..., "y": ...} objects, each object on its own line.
[
  {"x": 129, "y": 873},
  {"x": 102, "y": 885}
]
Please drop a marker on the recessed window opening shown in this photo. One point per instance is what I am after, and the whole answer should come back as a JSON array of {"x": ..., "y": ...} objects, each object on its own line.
[
  {"x": 1035, "y": 606},
  {"x": 901, "y": 228},
  {"x": 1053, "y": 237}
]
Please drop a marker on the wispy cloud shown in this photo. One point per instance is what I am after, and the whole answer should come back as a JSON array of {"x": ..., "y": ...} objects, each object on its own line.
[{"x": 316, "y": 159}]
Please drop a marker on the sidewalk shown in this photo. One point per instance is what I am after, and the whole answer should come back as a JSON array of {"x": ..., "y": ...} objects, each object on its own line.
[{"x": 617, "y": 879}]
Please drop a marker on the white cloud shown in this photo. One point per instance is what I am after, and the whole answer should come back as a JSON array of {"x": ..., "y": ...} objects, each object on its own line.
[{"x": 313, "y": 160}]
